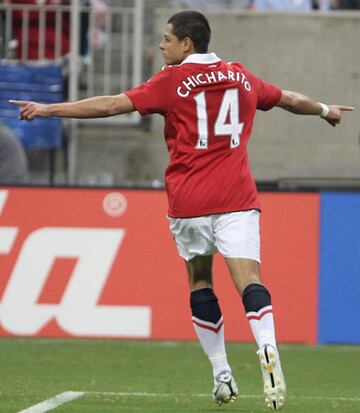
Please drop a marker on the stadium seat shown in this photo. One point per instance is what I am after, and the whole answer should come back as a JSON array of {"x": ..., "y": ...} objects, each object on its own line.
[
  {"x": 30, "y": 82},
  {"x": 41, "y": 83}
]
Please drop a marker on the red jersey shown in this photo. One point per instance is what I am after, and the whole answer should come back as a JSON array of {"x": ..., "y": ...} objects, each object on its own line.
[{"x": 209, "y": 107}]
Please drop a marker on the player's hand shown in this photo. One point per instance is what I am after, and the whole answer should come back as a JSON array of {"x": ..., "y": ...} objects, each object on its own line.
[
  {"x": 334, "y": 116},
  {"x": 29, "y": 110}
]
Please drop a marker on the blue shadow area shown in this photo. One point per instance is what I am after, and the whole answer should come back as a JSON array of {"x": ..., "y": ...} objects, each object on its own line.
[
  {"x": 339, "y": 281},
  {"x": 38, "y": 83}
]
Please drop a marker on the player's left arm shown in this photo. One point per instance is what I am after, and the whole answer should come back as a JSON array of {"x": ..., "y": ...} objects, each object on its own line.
[
  {"x": 304, "y": 105},
  {"x": 94, "y": 107}
]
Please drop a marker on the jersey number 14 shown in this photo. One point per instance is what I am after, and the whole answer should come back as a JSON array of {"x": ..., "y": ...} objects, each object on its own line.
[{"x": 227, "y": 121}]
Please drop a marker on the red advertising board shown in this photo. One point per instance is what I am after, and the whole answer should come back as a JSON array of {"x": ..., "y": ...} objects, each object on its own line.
[{"x": 102, "y": 263}]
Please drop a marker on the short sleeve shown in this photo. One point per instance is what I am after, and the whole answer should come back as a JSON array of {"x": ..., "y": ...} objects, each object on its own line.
[
  {"x": 268, "y": 95},
  {"x": 153, "y": 95}
]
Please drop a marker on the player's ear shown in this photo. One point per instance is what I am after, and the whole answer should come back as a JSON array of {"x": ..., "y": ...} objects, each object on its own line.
[{"x": 187, "y": 44}]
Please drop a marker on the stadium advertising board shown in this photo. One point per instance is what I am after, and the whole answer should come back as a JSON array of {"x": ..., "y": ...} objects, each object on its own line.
[{"x": 102, "y": 263}]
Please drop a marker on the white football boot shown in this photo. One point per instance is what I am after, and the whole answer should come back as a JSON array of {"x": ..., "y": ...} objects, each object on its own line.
[
  {"x": 274, "y": 382},
  {"x": 225, "y": 388}
]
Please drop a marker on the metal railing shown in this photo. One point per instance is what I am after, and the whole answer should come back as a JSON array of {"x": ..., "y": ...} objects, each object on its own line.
[{"x": 41, "y": 33}]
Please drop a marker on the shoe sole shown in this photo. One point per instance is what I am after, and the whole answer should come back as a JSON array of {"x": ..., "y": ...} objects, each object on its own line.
[{"x": 274, "y": 384}]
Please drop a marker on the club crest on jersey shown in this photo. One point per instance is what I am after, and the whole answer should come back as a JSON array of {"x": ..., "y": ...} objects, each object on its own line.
[{"x": 212, "y": 77}]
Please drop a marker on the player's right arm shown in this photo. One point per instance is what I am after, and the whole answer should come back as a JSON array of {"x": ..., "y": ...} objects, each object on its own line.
[
  {"x": 304, "y": 105},
  {"x": 94, "y": 107}
]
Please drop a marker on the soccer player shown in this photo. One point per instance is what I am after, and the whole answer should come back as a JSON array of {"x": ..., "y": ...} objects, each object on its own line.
[{"x": 209, "y": 107}]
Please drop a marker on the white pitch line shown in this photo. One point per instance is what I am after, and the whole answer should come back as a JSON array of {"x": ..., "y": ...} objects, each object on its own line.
[
  {"x": 54, "y": 402},
  {"x": 65, "y": 397},
  {"x": 241, "y": 396},
  {"x": 331, "y": 398},
  {"x": 145, "y": 394}
]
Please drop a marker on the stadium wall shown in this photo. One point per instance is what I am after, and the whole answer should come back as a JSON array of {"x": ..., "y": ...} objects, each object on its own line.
[
  {"x": 102, "y": 263},
  {"x": 314, "y": 53},
  {"x": 296, "y": 51}
]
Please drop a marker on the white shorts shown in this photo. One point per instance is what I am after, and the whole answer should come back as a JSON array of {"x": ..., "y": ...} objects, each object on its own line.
[{"x": 234, "y": 235}]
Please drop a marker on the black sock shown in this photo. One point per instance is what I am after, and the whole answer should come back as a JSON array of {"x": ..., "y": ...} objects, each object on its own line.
[
  {"x": 255, "y": 297},
  {"x": 204, "y": 305}
]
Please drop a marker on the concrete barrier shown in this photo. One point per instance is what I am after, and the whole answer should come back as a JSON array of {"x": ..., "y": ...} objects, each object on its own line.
[{"x": 313, "y": 53}]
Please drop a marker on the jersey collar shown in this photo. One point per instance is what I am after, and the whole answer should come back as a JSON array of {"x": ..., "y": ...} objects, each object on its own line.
[{"x": 202, "y": 58}]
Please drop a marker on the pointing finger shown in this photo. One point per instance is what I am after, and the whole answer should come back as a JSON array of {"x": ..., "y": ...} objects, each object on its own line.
[
  {"x": 18, "y": 102},
  {"x": 346, "y": 108}
]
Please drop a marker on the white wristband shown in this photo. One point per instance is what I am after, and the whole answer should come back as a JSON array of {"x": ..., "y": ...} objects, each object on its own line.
[{"x": 325, "y": 110}]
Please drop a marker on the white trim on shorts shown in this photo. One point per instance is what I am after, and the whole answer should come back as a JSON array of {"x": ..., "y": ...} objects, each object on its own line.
[{"x": 233, "y": 234}]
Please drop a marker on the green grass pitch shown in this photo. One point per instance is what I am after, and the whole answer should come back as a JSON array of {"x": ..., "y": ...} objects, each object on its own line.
[{"x": 119, "y": 376}]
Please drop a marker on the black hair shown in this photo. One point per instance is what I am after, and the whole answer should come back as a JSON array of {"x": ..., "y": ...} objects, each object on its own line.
[{"x": 194, "y": 25}]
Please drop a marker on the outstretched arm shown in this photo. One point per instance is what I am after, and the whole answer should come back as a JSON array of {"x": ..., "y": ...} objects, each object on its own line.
[
  {"x": 303, "y": 105},
  {"x": 95, "y": 107}
]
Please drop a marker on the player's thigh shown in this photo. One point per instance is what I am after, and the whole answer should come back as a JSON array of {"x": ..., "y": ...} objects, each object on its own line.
[
  {"x": 243, "y": 272},
  {"x": 193, "y": 236},
  {"x": 237, "y": 234},
  {"x": 237, "y": 238},
  {"x": 200, "y": 272}
]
